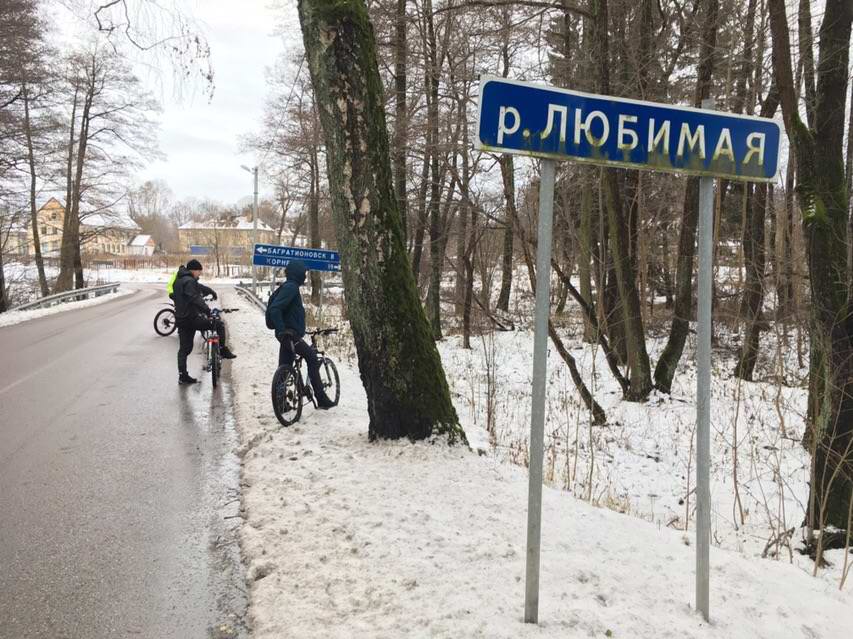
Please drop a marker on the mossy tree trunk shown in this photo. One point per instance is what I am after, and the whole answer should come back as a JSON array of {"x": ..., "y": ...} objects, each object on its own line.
[
  {"x": 400, "y": 367},
  {"x": 822, "y": 193}
]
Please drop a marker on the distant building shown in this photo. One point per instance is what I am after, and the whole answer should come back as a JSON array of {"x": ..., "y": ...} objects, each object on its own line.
[
  {"x": 100, "y": 234},
  {"x": 232, "y": 237},
  {"x": 142, "y": 245}
]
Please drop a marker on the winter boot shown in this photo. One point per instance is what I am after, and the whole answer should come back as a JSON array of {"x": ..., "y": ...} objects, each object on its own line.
[
  {"x": 184, "y": 378},
  {"x": 226, "y": 353}
]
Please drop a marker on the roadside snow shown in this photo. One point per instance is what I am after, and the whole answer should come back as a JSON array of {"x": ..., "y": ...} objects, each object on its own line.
[
  {"x": 16, "y": 317},
  {"x": 343, "y": 538}
]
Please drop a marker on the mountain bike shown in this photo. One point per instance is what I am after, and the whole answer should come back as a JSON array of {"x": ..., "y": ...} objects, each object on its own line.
[
  {"x": 291, "y": 390},
  {"x": 164, "y": 320},
  {"x": 211, "y": 346}
]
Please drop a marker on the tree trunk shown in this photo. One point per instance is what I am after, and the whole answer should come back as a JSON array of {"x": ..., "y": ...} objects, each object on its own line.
[
  {"x": 31, "y": 161},
  {"x": 585, "y": 255},
  {"x": 822, "y": 193},
  {"x": 401, "y": 116},
  {"x": 420, "y": 229},
  {"x": 314, "y": 223},
  {"x": 508, "y": 175},
  {"x": 638, "y": 358},
  {"x": 4, "y": 304},
  {"x": 63, "y": 282},
  {"x": 436, "y": 258},
  {"x": 668, "y": 362},
  {"x": 754, "y": 253},
  {"x": 400, "y": 366}
]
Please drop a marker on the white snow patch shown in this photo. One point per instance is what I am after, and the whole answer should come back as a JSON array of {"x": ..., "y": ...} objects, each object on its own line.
[{"x": 343, "y": 538}]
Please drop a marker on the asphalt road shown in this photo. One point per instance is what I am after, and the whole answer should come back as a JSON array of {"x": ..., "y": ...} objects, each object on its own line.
[{"x": 118, "y": 488}]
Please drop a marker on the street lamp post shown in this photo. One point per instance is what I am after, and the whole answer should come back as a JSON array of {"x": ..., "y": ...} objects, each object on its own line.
[{"x": 254, "y": 172}]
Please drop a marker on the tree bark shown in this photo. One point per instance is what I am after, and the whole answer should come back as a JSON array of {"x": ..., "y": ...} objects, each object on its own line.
[
  {"x": 314, "y": 222},
  {"x": 31, "y": 162},
  {"x": 638, "y": 358},
  {"x": 69, "y": 258},
  {"x": 668, "y": 362},
  {"x": 435, "y": 234},
  {"x": 822, "y": 193},
  {"x": 400, "y": 366},
  {"x": 754, "y": 254},
  {"x": 401, "y": 115},
  {"x": 508, "y": 175}
]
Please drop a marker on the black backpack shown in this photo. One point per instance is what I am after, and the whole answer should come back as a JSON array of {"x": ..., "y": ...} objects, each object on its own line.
[{"x": 267, "y": 315}]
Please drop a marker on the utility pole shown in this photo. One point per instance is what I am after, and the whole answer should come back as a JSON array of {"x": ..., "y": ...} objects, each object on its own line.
[{"x": 254, "y": 172}]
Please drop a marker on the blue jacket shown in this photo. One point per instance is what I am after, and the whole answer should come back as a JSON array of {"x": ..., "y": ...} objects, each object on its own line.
[{"x": 285, "y": 308}]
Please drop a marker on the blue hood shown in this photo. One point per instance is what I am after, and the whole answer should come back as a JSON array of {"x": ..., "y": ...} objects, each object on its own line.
[{"x": 295, "y": 272}]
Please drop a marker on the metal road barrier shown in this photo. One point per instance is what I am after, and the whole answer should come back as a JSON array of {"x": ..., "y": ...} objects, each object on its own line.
[
  {"x": 246, "y": 291},
  {"x": 69, "y": 296}
]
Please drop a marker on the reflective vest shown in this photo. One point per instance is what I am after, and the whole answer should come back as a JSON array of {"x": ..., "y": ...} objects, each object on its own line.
[{"x": 170, "y": 287}]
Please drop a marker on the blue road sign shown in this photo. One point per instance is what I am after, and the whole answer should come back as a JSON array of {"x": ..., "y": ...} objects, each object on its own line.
[
  {"x": 537, "y": 120},
  {"x": 276, "y": 256}
]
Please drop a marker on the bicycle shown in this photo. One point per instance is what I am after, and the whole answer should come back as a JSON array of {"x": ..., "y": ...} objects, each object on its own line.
[
  {"x": 211, "y": 345},
  {"x": 290, "y": 389},
  {"x": 164, "y": 320}
]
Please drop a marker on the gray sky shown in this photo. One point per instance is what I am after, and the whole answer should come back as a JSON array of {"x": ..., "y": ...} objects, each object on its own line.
[{"x": 200, "y": 138}]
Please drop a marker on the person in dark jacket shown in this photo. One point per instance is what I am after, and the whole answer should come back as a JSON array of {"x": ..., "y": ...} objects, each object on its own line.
[
  {"x": 288, "y": 317},
  {"x": 193, "y": 314}
]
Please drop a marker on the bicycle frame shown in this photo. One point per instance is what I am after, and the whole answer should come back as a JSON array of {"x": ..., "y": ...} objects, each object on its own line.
[{"x": 304, "y": 381}]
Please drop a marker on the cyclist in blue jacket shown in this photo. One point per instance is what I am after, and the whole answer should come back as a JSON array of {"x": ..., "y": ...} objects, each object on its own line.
[{"x": 287, "y": 315}]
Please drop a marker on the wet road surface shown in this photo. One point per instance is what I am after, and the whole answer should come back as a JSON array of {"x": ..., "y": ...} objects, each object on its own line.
[{"x": 119, "y": 489}]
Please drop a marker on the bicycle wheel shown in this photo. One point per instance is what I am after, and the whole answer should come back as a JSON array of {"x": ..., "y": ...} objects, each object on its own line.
[
  {"x": 286, "y": 395},
  {"x": 215, "y": 364},
  {"x": 331, "y": 381},
  {"x": 164, "y": 322}
]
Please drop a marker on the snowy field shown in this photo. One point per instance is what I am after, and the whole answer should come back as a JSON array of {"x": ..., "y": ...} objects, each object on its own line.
[
  {"x": 348, "y": 539},
  {"x": 16, "y": 317}
]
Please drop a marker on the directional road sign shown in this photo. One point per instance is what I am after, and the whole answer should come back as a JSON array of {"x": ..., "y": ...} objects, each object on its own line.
[{"x": 276, "y": 256}]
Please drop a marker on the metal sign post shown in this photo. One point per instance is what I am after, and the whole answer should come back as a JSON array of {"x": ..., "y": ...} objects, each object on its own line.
[
  {"x": 703, "y": 391},
  {"x": 540, "y": 368},
  {"x": 557, "y": 124}
]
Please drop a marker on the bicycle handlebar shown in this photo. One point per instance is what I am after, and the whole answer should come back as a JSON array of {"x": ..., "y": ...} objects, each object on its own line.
[{"x": 322, "y": 331}]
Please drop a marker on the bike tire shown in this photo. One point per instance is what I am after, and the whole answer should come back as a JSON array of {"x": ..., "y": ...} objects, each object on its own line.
[
  {"x": 286, "y": 394},
  {"x": 215, "y": 365},
  {"x": 331, "y": 380},
  {"x": 164, "y": 322}
]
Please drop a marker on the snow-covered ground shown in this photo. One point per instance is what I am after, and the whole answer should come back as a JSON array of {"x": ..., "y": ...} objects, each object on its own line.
[
  {"x": 16, "y": 317},
  {"x": 343, "y": 538}
]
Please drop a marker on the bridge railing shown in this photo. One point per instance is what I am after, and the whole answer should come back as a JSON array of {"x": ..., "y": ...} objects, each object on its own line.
[{"x": 69, "y": 296}]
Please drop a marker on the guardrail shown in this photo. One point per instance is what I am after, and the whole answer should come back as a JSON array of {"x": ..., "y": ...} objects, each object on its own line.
[
  {"x": 266, "y": 287},
  {"x": 246, "y": 291},
  {"x": 69, "y": 296}
]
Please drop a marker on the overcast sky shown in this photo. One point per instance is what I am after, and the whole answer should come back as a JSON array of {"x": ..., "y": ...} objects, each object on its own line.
[{"x": 201, "y": 138}]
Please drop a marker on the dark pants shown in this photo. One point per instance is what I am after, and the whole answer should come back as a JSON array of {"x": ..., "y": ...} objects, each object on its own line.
[
  {"x": 285, "y": 358},
  {"x": 186, "y": 337}
]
